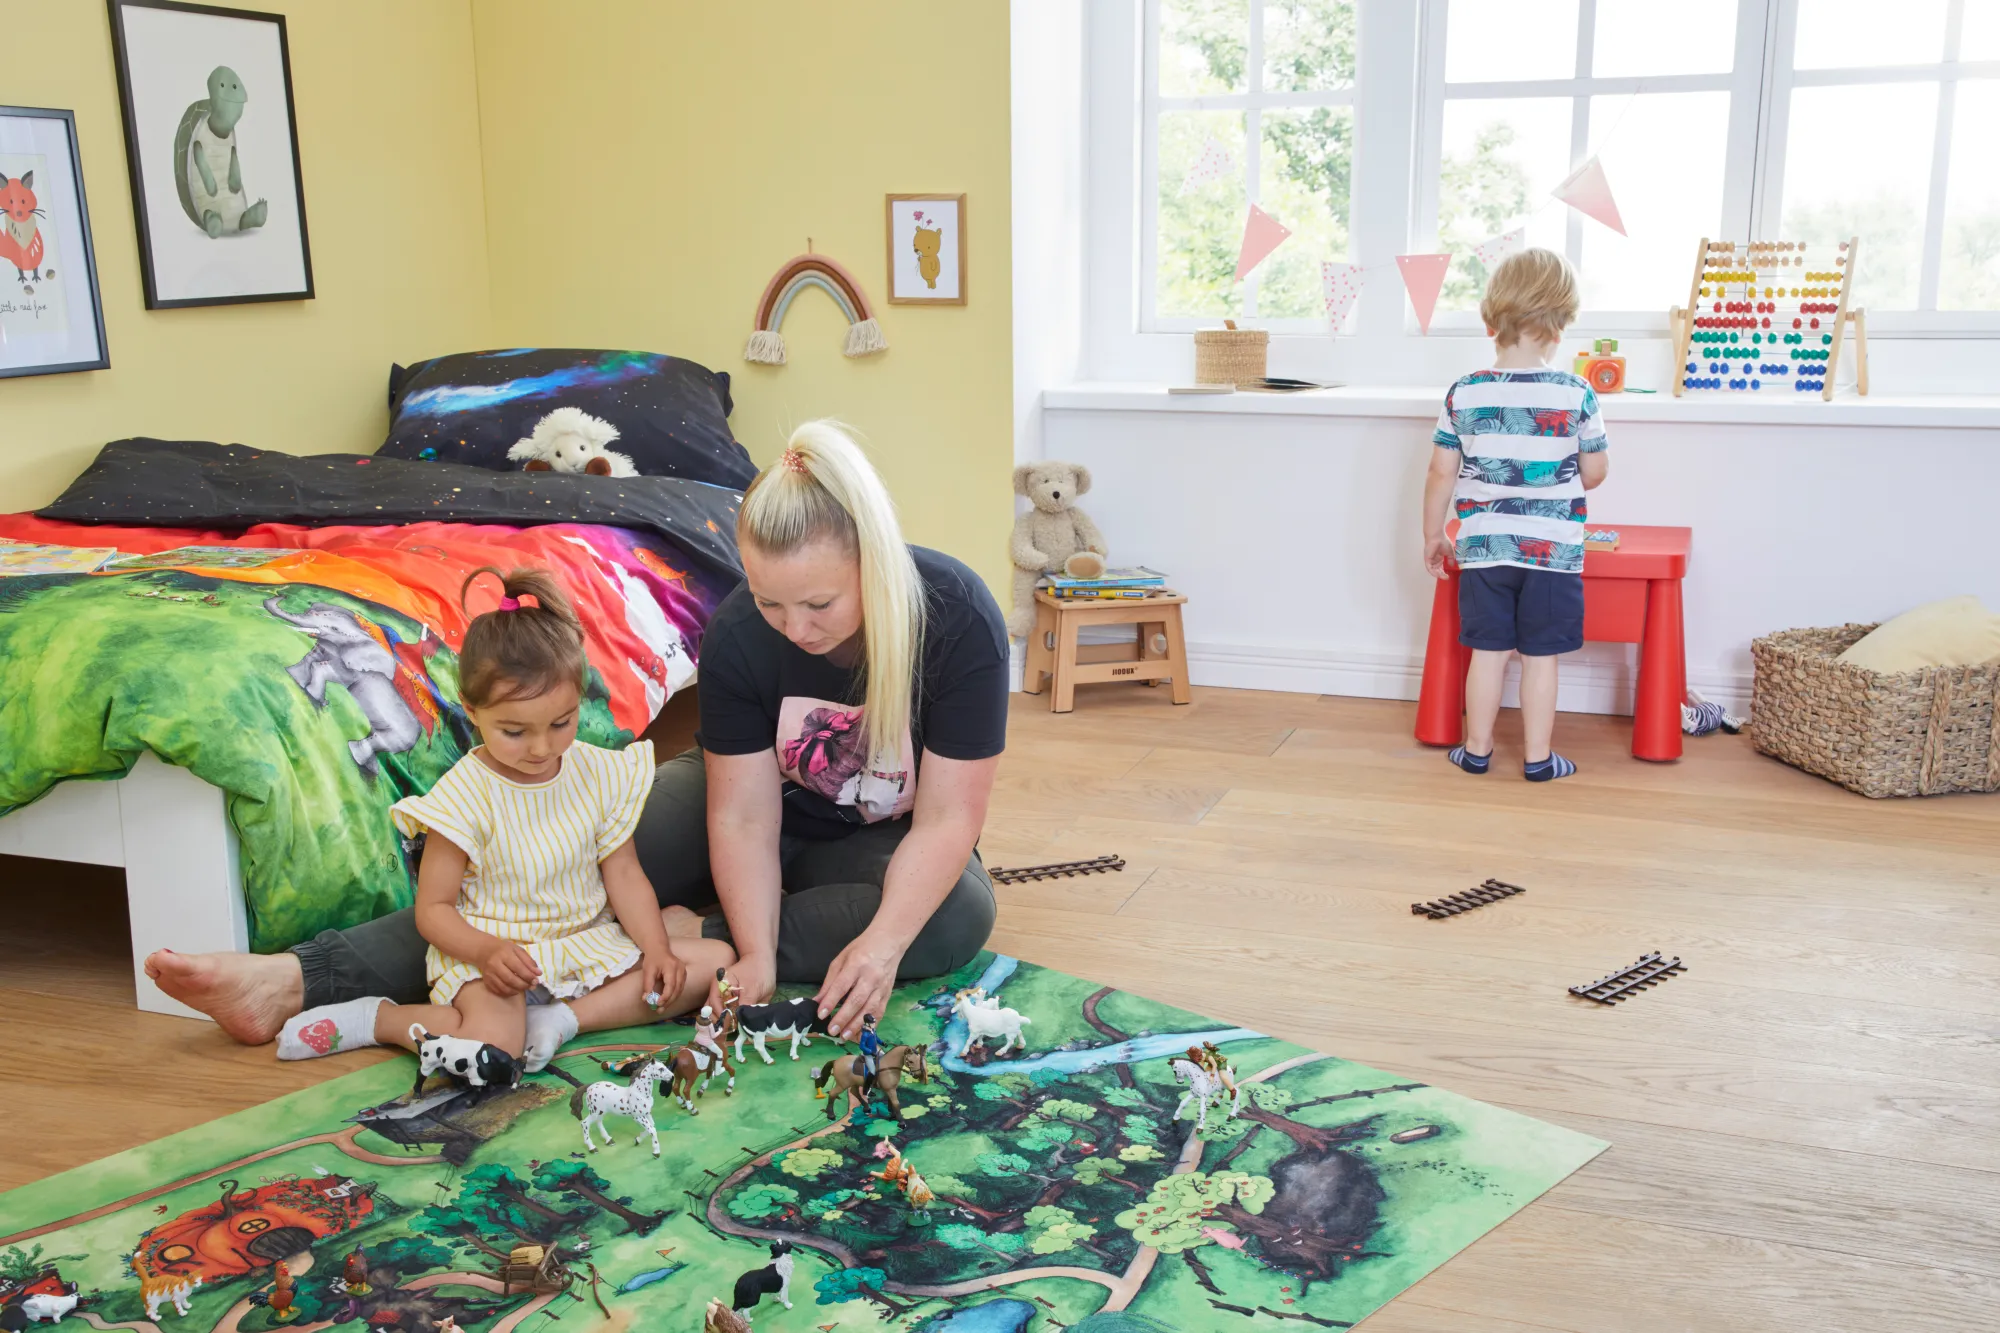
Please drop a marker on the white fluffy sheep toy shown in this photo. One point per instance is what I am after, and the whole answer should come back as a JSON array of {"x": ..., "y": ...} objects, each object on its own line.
[{"x": 569, "y": 439}]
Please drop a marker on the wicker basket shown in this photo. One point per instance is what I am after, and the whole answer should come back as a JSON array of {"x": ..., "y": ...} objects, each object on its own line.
[
  {"x": 1914, "y": 733},
  {"x": 1230, "y": 356}
]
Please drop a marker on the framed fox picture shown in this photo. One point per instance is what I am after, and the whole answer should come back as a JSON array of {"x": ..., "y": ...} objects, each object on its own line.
[
  {"x": 51, "y": 314},
  {"x": 213, "y": 148},
  {"x": 926, "y": 249}
]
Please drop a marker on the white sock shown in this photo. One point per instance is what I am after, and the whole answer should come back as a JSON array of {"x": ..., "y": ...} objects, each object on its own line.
[
  {"x": 330, "y": 1028},
  {"x": 549, "y": 1026}
]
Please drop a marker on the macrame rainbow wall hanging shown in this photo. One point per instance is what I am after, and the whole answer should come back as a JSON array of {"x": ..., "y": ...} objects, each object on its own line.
[{"x": 767, "y": 344}]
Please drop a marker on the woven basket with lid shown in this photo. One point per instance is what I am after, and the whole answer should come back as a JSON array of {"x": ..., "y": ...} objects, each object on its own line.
[
  {"x": 1911, "y": 733},
  {"x": 1231, "y": 355}
]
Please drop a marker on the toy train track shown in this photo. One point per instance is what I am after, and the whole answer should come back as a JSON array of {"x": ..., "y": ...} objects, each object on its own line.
[
  {"x": 1096, "y": 865},
  {"x": 1492, "y": 891},
  {"x": 1649, "y": 971}
]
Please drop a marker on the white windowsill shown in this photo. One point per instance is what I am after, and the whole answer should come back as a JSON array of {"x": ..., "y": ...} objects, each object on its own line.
[{"x": 1948, "y": 411}]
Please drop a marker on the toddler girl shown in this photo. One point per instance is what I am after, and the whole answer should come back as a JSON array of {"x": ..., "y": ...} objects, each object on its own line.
[{"x": 540, "y": 922}]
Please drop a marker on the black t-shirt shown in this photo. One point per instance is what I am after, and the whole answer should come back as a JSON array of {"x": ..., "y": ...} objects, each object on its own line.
[{"x": 760, "y": 692}]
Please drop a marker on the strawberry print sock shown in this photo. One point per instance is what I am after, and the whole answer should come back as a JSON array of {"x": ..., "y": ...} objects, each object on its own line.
[{"x": 330, "y": 1028}]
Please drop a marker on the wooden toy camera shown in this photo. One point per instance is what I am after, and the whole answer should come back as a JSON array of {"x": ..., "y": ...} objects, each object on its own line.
[{"x": 1601, "y": 367}]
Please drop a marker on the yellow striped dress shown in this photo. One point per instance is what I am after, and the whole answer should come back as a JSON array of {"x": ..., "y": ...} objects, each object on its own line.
[{"x": 532, "y": 853}]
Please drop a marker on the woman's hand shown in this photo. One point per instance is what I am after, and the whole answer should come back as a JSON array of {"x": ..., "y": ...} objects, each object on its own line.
[
  {"x": 509, "y": 969},
  {"x": 665, "y": 976},
  {"x": 858, "y": 982},
  {"x": 755, "y": 979}
]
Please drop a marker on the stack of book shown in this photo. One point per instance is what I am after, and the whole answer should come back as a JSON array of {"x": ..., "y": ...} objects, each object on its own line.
[
  {"x": 1137, "y": 581},
  {"x": 36, "y": 558}
]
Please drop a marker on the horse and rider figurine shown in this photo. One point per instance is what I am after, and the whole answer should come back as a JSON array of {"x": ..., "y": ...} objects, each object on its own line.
[
  {"x": 1209, "y": 1077},
  {"x": 876, "y": 1070}
]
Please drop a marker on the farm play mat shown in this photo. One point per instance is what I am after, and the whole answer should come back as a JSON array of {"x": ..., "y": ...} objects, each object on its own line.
[{"x": 1066, "y": 1193}]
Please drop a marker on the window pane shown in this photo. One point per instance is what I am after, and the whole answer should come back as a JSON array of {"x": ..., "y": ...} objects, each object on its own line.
[
  {"x": 1858, "y": 163},
  {"x": 1501, "y": 158},
  {"x": 1308, "y": 45},
  {"x": 1638, "y": 37},
  {"x": 1204, "y": 45},
  {"x": 1304, "y": 178},
  {"x": 1969, "y": 278},
  {"x": 1668, "y": 198},
  {"x": 1201, "y": 231},
  {"x": 1979, "y": 31},
  {"x": 1510, "y": 39},
  {"x": 1850, "y": 34}
]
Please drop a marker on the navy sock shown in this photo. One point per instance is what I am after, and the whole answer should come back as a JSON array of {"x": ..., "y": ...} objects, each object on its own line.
[
  {"x": 1555, "y": 766},
  {"x": 1470, "y": 762}
]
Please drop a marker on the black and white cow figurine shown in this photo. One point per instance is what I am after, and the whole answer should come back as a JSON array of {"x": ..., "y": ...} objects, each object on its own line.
[
  {"x": 774, "y": 1279},
  {"x": 476, "y": 1064},
  {"x": 797, "y": 1019}
]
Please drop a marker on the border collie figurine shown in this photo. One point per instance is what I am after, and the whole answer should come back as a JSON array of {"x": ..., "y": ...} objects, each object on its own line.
[
  {"x": 479, "y": 1065},
  {"x": 798, "y": 1019},
  {"x": 773, "y": 1280}
]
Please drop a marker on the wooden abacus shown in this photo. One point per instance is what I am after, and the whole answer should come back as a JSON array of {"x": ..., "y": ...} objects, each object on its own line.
[{"x": 1738, "y": 301}]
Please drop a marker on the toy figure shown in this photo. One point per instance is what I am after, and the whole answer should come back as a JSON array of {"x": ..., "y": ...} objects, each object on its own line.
[
  {"x": 479, "y": 1065},
  {"x": 903, "y": 1176},
  {"x": 708, "y": 1033},
  {"x": 282, "y": 1288},
  {"x": 1213, "y": 1061},
  {"x": 871, "y": 1052},
  {"x": 591, "y": 1104},
  {"x": 797, "y": 1019},
  {"x": 983, "y": 1020},
  {"x": 354, "y": 1274},
  {"x": 171, "y": 1287},
  {"x": 774, "y": 1279},
  {"x": 721, "y": 1319}
]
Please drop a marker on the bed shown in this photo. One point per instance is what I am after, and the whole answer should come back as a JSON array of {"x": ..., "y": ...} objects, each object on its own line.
[{"x": 229, "y": 710}]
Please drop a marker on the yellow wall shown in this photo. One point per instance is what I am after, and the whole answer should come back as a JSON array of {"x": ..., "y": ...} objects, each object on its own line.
[
  {"x": 389, "y": 141},
  {"x": 648, "y": 166}
]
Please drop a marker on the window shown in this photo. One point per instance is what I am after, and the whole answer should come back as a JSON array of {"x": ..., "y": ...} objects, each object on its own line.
[
  {"x": 1772, "y": 119},
  {"x": 1265, "y": 88}
]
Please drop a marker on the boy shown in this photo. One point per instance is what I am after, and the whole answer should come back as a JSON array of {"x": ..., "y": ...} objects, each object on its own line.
[{"x": 1517, "y": 446}]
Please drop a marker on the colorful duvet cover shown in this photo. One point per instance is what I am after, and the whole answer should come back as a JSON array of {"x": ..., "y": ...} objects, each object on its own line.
[{"x": 321, "y": 687}]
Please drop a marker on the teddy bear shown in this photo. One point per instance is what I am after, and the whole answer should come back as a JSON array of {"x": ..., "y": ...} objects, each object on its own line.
[
  {"x": 569, "y": 439},
  {"x": 1053, "y": 536}
]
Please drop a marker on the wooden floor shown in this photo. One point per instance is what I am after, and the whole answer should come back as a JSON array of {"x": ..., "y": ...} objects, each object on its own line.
[{"x": 1805, "y": 1127}]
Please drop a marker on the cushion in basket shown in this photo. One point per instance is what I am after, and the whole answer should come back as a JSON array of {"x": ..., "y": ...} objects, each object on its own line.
[
  {"x": 672, "y": 416},
  {"x": 1957, "y": 631}
]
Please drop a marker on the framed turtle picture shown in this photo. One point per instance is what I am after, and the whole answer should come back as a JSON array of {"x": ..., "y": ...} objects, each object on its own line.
[
  {"x": 51, "y": 315},
  {"x": 213, "y": 147}
]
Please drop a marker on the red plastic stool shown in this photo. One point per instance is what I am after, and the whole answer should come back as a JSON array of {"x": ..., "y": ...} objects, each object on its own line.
[{"x": 1630, "y": 595}]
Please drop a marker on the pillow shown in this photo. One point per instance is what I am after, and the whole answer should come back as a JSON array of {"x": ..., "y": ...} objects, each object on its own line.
[
  {"x": 1958, "y": 631},
  {"x": 671, "y": 415}
]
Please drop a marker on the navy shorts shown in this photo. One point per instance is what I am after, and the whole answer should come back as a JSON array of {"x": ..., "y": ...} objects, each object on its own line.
[{"x": 1503, "y": 608}]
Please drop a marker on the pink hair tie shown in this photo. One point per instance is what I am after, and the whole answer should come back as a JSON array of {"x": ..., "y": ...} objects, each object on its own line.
[
  {"x": 517, "y": 603},
  {"x": 794, "y": 461}
]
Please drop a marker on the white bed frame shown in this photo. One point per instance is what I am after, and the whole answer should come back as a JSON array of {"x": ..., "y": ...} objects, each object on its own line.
[{"x": 170, "y": 831}]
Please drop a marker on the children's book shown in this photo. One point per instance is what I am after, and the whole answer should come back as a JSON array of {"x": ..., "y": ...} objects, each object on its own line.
[
  {"x": 1600, "y": 539},
  {"x": 1138, "y": 576},
  {"x": 1104, "y": 594},
  {"x": 204, "y": 557},
  {"x": 34, "y": 558}
]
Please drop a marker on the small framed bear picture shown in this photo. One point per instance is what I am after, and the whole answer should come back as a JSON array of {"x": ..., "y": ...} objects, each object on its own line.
[
  {"x": 213, "y": 148},
  {"x": 927, "y": 249}
]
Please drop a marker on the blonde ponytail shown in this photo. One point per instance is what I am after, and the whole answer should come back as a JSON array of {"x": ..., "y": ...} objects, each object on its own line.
[{"x": 824, "y": 487}]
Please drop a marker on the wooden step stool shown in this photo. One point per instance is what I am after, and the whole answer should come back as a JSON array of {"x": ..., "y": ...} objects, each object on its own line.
[{"x": 1053, "y": 649}]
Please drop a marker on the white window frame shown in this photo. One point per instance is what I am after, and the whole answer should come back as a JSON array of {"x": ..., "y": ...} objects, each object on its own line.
[{"x": 1252, "y": 102}]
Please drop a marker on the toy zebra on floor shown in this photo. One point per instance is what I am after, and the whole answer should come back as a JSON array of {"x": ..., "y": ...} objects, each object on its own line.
[{"x": 590, "y": 1105}]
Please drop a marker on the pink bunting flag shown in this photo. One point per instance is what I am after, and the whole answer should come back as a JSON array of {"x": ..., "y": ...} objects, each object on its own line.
[
  {"x": 1341, "y": 284},
  {"x": 1214, "y": 163},
  {"x": 1262, "y": 234},
  {"x": 1491, "y": 251},
  {"x": 1423, "y": 276},
  {"x": 1589, "y": 193}
]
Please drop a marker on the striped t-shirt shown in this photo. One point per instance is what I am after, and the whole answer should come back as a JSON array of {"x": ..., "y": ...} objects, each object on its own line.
[{"x": 1519, "y": 435}]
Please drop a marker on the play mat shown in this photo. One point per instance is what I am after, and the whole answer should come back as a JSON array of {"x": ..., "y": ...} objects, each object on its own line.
[{"x": 1064, "y": 1193}]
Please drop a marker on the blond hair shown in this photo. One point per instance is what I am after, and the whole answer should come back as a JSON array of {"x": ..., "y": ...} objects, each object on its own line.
[
  {"x": 824, "y": 488},
  {"x": 530, "y": 645},
  {"x": 1532, "y": 293}
]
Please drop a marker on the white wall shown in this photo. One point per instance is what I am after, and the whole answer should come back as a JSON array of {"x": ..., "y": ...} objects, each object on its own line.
[
  {"x": 1047, "y": 160},
  {"x": 1296, "y": 537}
]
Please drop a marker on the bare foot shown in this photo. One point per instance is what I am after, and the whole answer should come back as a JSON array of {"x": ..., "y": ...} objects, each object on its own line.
[
  {"x": 248, "y": 995},
  {"x": 681, "y": 924}
]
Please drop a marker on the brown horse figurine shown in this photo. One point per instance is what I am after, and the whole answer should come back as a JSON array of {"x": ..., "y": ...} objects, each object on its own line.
[
  {"x": 847, "y": 1078},
  {"x": 688, "y": 1064}
]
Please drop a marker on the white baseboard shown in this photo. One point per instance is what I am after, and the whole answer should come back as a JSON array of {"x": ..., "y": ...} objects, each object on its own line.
[{"x": 1600, "y": 679}]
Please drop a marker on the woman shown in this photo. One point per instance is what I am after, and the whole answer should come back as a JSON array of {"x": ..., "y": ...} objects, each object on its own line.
[{"x": 853, "y": 711}]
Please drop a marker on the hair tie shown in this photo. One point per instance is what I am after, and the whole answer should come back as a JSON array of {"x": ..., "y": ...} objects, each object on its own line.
[
  {"x": 794, "y": 461},
  {"x": 525, "y": 600}
]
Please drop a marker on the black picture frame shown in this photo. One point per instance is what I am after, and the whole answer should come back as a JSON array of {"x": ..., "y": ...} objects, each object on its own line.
[
  {"x": 143, "y": 222},
  {"x": 103, "y": 358}
]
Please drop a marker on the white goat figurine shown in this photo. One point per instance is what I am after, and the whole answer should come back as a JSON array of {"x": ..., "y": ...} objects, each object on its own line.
[
  {"x": 985, "y": 1018},
  {"x": 592, "y": 1104}
]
